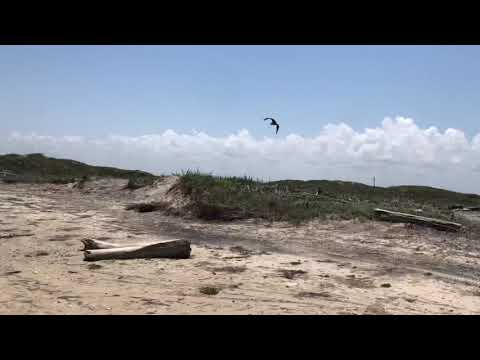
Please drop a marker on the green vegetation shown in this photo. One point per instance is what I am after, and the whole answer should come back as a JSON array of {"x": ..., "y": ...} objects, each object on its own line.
[
  {"x": 37, "y": 168},
  {"x": 229, "y": 198}
]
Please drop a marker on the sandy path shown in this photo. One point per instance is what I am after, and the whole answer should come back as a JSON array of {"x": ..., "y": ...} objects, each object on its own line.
[{"x": 319, "y": 268}]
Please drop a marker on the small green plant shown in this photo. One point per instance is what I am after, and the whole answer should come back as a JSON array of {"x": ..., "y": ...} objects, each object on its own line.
[{"x": 209, "y": 290}]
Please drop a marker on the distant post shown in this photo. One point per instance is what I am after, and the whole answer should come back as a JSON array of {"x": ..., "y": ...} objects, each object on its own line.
[{"x": 374, "y": 182}]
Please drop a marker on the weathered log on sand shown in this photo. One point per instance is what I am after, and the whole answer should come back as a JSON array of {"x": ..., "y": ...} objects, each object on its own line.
[
  {"x": 415, "y": 219},
  {"x": 464, "y": 208},
  {"x": 177, "y": 249},
  {"x": 92, "y": 244}
]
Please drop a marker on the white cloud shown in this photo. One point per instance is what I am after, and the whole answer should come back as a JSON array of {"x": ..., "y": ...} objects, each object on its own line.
[{"x": 397, "y": 152}]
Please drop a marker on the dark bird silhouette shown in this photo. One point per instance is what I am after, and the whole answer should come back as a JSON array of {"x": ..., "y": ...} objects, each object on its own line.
[{"x": 273, "y": 123}]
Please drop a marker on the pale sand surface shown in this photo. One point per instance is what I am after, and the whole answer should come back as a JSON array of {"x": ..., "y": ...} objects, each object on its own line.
[{"x": 338, "y": 267}]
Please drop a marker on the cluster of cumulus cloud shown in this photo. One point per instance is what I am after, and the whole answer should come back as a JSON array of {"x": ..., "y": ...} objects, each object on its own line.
[{"x": 397, "y": 153}]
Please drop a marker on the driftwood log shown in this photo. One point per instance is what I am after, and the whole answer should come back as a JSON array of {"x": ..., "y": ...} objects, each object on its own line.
[
  {"x": 471, "y": 208},
  {"x": 415, "y": 219},
  {"x": 176, "y": 249},
  {"x": 464, "y": 208},
  {"x": 92, "y": 244}
]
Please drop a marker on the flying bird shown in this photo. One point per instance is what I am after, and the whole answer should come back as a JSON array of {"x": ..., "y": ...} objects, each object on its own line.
[{"x": 273, "y": 123}]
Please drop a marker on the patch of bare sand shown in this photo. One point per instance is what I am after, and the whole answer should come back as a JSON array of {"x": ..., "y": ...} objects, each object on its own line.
[{"x": 319, "y": 268}]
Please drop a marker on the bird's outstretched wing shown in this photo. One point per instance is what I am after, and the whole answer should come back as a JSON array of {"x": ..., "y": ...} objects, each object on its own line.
[{"x": 273, "y": 123}]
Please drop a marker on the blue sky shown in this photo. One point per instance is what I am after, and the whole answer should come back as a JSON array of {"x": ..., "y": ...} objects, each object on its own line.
[
  {"x": 97, "y": 90},
  {"x": 405, "y": 114}
]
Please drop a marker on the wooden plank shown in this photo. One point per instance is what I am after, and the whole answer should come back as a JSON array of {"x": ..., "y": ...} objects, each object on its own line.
[
  {"x": 471, "y": 208},
  {"x": 415, "y": 219}
]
